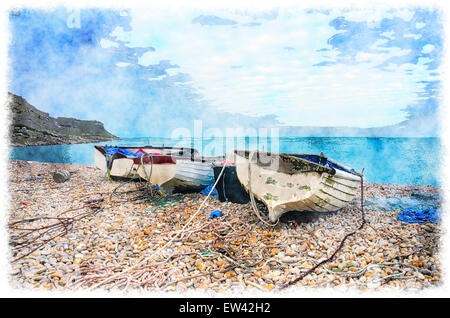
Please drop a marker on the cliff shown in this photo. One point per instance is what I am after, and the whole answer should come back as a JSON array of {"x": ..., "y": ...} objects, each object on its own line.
[{"x": 30, "y": 127}]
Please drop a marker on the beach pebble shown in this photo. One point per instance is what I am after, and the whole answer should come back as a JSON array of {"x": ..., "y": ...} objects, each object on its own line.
[{"x": 215, "y": 255}]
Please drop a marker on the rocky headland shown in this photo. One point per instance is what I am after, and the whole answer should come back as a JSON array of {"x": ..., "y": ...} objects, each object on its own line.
[{"x": 32, "y": 127}]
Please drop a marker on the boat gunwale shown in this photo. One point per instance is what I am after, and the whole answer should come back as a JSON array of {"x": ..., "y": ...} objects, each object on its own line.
[
  {"x": 319, "y": 168},
  {"x": 352, "y": 175},
  {"x": 341, "y": 167},
  {"x": 192, "y": 151},
  {"x": 201, "y": 159}
]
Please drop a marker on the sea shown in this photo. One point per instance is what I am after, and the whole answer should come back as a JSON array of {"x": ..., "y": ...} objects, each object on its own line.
[{"x": 408, "y": 161}]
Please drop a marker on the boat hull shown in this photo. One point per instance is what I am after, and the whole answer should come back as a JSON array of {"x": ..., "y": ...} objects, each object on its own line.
[
  {"x": 121, "y": 167},
  {"x": 127, "y": 168},
  {"x": 284, "y": 190},
  {"x": 192, "y": 175},
  {"x": 157, "y": 169},
  {"x": 157, "y": 173}
]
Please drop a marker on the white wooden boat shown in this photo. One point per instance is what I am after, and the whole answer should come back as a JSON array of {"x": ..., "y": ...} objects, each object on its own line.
[
  {"x": 158, "y": 169},
  {"x": 294, "y": 182},
  {"x": 161, "y": 168},
  {"x": 192, "y": 174}
]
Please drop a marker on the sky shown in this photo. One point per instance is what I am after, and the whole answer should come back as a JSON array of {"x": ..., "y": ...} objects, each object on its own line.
[{"x": 146, "y": 71}]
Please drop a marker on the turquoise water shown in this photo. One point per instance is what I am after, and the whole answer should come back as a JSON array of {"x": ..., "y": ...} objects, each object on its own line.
[{"x": 413, "y": 161}]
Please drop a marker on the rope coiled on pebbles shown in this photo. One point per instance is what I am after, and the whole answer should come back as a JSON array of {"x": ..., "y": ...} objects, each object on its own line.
[
  {"x": 37, "y": 237},
  {"x": 165, "y": 245},
  {"x": 340, "y": 245},
  {"x": 252, "y": 198}
]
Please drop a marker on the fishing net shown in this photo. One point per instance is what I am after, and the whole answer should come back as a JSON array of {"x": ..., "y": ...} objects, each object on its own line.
[{"x": 419, "y": 208}]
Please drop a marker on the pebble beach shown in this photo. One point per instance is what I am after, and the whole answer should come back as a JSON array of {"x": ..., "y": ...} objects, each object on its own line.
[{"x": 92, "y": 233}]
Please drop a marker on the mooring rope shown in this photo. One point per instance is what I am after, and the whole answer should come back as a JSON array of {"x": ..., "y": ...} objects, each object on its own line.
[
  {"x": 149, "y": 183},
  {"x": 151, "y": 166},
  {"x": 252, "y": 199},
  {"x": 340, "y": 245},
  {"x": 132, "y": 177},
  {"x": 168, "y": 243}
]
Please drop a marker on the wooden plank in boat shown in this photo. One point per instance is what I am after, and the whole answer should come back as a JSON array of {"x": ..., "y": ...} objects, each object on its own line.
[
  {"x": 313, "y": 206},
  {"x": 194, "y": 172},
  {"x": 340, "y": 187},
  {"x": 345, "y": 197},
  {"x": 349, "y": 183},
  {"x": 327, "y": 202},
  {"x": 194, "y": 168}
]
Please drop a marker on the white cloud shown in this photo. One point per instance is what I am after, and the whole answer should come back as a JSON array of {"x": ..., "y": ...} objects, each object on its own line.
[
  {"x": 172, "y": 71},
  {"x": 420, "y": 25},
  {"x": 104, "y": 43},
  {"x": 270, "y": 79},
  {"x": 414, "y": 36},
  {"x": 122, "y": 64},
  {"x": 160, "y": 77},
  {"x": 427, "y": 48}
]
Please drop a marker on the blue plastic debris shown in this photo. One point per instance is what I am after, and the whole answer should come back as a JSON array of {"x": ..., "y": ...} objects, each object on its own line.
[
  {"x": 206, "y": 190},
  {"x": 158, "y": 190},
  {"x": 411, "y": 215},
  {"x": 215, "y": 214},
  {"x": 112, "y": 150},
  {"x": 205, "y": 253}
]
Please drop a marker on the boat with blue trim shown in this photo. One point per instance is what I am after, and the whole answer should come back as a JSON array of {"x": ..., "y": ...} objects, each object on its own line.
[
  {"x": 152, "y": 163},
  {"x": 178, "y": 169},
  {"x": 296, "y": 182}
]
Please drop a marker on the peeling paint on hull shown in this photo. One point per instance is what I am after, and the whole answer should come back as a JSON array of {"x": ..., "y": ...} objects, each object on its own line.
[{"x": 318, "y": 190}]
